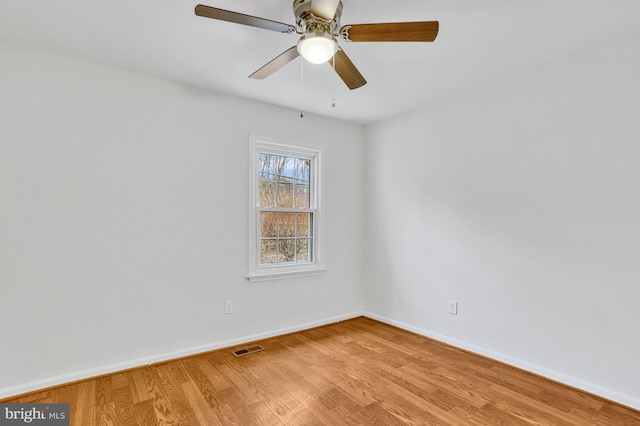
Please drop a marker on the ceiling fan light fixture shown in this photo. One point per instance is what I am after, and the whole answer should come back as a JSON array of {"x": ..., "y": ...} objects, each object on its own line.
[{"x": 317, "y": 48}]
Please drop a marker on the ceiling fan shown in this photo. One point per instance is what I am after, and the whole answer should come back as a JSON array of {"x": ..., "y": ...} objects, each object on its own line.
[{"x": 318, "y": 23}]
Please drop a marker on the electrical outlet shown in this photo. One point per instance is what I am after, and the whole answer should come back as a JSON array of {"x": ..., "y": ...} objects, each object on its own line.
[
  {"x": 453, "y": 307},
  {"x": 228, "y": 307}
]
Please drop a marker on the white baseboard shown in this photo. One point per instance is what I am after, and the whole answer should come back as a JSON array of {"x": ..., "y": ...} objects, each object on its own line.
[
  {"x": 154, "y": 359},
  {"x": 574, "y": 382}
]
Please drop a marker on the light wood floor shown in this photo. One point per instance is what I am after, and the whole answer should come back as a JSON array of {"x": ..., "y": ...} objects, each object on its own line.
[{"x": 357, "y": 372}]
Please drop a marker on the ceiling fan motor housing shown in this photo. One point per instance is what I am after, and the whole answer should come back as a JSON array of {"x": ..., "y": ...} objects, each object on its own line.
[{"x": 308, "y": 22}]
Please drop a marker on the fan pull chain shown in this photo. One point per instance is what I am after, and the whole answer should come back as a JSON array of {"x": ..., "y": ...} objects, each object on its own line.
[
  {"x": 301, "y": 86},
  {"x": 333, "y": 85}
]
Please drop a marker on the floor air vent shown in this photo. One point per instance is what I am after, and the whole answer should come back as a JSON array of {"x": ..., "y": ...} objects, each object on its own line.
[{"x": 247, "y": 351}]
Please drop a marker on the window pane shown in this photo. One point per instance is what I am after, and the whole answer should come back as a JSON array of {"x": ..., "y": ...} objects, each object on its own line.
[
  {"x": 302, "y": 171},
  {"x": 267, "y": 196},
  {"x": 303, "y": 224},
  {"x": 303, "y": 250},
  {"x": 267, "y": 169},
  {"x": 302, "y": 196},
  {"x": 268, "y": 224},
  {"x": 285, "y": 195},
  {"x": 286, "y": 225},
  {"x": 286, "y": 168},
  {"x": 262, "y": 167},
  {"x": 268, "y": 252},
  {"x": 287, "y": 250},
  {"x": 277, "y": 168}
]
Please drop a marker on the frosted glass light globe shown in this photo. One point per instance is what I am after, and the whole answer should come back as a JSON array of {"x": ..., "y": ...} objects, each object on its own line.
[{"x": 317, "y": 48}]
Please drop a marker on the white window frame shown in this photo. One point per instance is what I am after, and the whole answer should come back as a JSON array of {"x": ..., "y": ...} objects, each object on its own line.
[{"x": 261, "y": 144}]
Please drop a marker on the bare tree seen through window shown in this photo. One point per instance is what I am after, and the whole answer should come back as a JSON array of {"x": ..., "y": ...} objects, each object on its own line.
[{"x": 285, "y": 215}]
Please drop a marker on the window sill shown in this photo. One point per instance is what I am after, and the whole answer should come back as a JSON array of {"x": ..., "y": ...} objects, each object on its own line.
[{"x": 282, "y": 275}]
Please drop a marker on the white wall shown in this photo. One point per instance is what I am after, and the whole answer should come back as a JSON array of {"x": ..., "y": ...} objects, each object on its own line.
[
  {"x": 124, "y": 213},
  {"x": 522, "y": 202}
]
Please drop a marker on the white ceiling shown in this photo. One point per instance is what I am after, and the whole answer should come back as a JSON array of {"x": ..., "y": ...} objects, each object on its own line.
[{"x": 479, "y": 42}]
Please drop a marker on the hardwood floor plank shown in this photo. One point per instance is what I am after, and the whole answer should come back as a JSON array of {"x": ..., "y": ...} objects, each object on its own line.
[
  {"x": 200, "y": 405},
  {"x": 307, "y": 418},
  {"x": 82, "y": 408},
  {"x": 172, "y": 390},
  {"x": 162, "y": 408},
  {"x": 416, "y": 407},
  {"x": 141, "y": 414},
  {"x": 300, "y": 391},
  {"x": 264, "y": 414},
  {"x": 247, "y": 389},
  {"x": 208, "y": 382},
  {"x": 525, "y": 407},
  {"x": 107, "y": 415},
  {"x": 103, "y": 389},
  {"x": 320, "y": 411},
  {"x": 356, "y": 372},
  {"x": 375, "y": 414},
  {"x": 495, "y": 416},
  {"x": 122, "y": 394},
  {"x": 137, "y": 381},
  {"x": 229, "y": 417}
]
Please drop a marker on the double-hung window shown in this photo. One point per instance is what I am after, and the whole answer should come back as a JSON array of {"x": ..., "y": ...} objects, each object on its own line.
[{"x": 285, "y": 211}]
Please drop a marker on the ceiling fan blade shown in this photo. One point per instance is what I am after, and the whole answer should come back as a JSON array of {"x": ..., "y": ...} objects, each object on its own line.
[
  {"x": 240, "y": 18},
  {"x": 347, "y": 71},
  {"x": 324, "y": 8},
  {"x": 399, "y": 31},
  {"x": 275, "y": 64}
]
